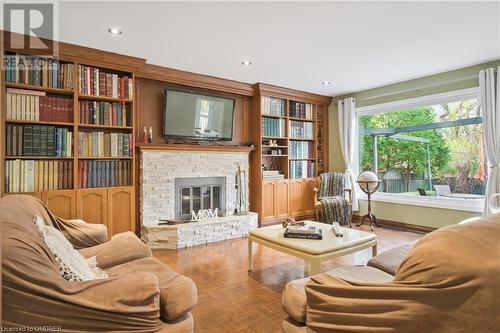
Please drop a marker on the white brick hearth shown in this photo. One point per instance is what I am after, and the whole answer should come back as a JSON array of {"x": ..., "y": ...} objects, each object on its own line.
[{"x": 197, "y": 233}]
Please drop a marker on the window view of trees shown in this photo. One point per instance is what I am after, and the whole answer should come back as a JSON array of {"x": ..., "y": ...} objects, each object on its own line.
[{"x": 444, "y": 140}]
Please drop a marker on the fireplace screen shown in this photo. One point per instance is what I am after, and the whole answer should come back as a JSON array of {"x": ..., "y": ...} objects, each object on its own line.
[{"x": 194, "y": 194}]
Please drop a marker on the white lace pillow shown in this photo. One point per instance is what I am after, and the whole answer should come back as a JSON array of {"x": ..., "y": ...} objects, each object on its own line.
[{"x": 72, "y": 265}]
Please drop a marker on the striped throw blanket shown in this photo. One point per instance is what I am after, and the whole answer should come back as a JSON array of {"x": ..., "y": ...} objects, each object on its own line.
[{"x": 331, "y": 194}]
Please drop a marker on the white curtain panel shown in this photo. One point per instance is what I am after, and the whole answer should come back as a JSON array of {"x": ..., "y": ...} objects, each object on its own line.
[
  {"x": 489, "y": 84},
  {"x": 348, "y": 129}
]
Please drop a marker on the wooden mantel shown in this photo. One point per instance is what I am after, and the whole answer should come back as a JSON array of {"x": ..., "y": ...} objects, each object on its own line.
[{"x": 193, "y": 147}]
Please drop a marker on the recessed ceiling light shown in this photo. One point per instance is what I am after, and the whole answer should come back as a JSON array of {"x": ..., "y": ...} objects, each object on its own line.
[
  {"x": 326, "y": 83},
  {"x": 115, "y": 31},
  {"x": 246, "y": 63}
]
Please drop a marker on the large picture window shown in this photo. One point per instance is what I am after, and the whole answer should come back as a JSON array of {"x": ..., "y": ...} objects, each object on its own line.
[{"x": 434, "y": 150}]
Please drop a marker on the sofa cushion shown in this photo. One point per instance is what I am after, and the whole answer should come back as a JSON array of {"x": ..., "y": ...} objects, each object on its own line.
[
  {"x": 389, "y": 261},
  {"x": 122, "y": 248},
  {"x": 178, "y": 294},
  {"x": 72, "y": 264},
  {"x": 294, "y": 296}
]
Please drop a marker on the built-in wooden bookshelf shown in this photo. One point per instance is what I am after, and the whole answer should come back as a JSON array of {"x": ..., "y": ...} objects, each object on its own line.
[
  {"x": 68, "y": 137},
  {"x": 289, "y": 129},
  {"x": 115, "y": 205}
]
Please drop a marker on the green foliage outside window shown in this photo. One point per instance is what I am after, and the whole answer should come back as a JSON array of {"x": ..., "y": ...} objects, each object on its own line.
[{"x": 454, "y": 151}]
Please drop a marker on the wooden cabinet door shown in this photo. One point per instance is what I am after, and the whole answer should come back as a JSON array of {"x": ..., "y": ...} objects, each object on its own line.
[
  {"x": 61, "y": 203},
  {"x": 308, "y": 195},
  {"x": 268, "y": 195},
  {"x": 92, "y": 205},
  {"x": 121, "y": 212},
  {"x": 281, "y": 198},
  {"x": 296, "y": 193}
]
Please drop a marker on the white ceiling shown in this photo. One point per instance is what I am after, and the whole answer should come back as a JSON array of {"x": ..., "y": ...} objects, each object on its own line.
[{"x": 355, "y": 45}]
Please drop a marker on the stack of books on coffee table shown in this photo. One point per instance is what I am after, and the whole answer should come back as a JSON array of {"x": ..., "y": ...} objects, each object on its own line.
[{"x": 303, "y": 232}]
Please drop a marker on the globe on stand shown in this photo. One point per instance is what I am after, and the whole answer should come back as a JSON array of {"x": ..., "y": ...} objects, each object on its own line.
[{"x": 369, "y": 183}]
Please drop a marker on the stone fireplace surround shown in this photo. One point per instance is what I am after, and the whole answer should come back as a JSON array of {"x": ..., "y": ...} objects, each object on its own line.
[{"x": 158, "y": 171}]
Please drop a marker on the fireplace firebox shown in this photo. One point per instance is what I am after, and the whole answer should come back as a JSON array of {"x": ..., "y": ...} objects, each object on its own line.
[{"x": 193, "y": 194}]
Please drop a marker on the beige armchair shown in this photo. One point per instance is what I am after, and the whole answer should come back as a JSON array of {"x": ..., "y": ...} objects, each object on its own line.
[
  {"x": 141, "y": 294},
  {"x": 335, "y": 189},
  {"x": 421, "y": 287}
]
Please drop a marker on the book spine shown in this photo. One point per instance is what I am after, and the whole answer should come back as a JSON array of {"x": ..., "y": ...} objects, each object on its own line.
[
  {"x": 27, "y": 140},
  {"x": 8, "y": 144},
  {"x": 20, "y": 131},
  {"x": 61, "y": 174},
  {"x": 50, "y": 141}
]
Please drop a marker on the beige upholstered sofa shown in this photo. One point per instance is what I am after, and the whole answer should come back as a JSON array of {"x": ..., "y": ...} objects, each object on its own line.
[
  {"x": 141, "y": 294},
  {"x": 448, "y": 281}
]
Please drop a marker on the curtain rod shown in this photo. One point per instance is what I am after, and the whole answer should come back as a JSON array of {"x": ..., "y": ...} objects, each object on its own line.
[{"x": 416, "y": 89}]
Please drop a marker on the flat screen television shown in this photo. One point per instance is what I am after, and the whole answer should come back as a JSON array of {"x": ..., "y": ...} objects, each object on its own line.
[{"x": 199, "y": 117}]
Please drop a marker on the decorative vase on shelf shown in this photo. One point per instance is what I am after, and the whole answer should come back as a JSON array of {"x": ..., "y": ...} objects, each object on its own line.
[{"x": 369, "y": 183}]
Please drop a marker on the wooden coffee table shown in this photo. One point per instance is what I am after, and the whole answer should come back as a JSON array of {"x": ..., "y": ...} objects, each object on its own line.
[{"x": 311, "y": 250}]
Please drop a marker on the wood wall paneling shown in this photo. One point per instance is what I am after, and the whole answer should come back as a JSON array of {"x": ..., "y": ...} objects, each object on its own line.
[
  {"x": 296, "y": 95},
  {"x": 255, "y": 182},
  {"x": 151, "y": 104},
  {"x": 84, "y": 55},
  {"x": 200, "y": 81}
]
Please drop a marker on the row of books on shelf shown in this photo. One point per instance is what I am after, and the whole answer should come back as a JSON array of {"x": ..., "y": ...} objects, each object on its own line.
[
  {"x": 272, "y": 175},
  {"x": 273, "y": 127},
  {"x": 302, "y": 169},
  {"x": 104, "y": 113},
  {"x": 36, "y": 71},
  {"x": 100, "y": 144},
  {"x": 301, "y": 130},
  {"x": 301, "y": 149},
  {"x": 37, "y": 175},
  {"x": 273, "y": 106},
  {"x": 104, "y": 173},
  {"x": 31, "y": 105},
  {"x": 38, "y": 140},
  {"x": 94, "y": 81},
  {"x": 301, "y": 110}
]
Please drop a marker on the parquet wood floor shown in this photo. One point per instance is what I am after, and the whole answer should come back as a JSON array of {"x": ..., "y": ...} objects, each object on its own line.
[{"x": 232, "y": 300}]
